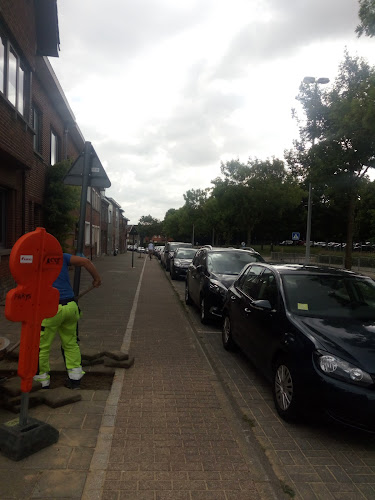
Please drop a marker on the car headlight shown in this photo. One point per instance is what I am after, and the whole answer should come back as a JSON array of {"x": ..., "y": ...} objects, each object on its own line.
[
  {"x": 336, "y": 367},
  {"x": 177, "y": 263},
  {"x": 217, "y": 287}
]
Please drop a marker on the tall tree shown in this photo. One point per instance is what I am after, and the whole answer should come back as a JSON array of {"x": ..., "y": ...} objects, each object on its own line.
[
  {"x": 61, "y": 203},
  {"x": 262, "y": 192},
  {"x": 367, "y": 18},
  {"x": 148, "y": 226},
  {"x": 345, "y": 138}
]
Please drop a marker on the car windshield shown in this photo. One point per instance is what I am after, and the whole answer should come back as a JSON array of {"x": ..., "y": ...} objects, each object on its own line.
[
  {"x": 230, "y": 262},
  {"x": 325, "y": 296},
  {"x": 185, "y": 253}
]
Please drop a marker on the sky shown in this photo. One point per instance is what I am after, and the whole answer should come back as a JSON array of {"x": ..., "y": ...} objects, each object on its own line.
[{"x": 167, "y": 90}]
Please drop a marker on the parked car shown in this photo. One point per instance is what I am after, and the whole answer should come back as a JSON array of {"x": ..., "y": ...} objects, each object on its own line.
[
  {"x": 210, "y": 274},
  {"x": 310, "y": 330},
  {"x": 180, "y": 262},
  {"x": 169, "y": 249},
  {"x": 157, "y": 251}
]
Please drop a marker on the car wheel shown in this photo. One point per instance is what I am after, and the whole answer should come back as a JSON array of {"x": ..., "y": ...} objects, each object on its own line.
[
  {"x": 226, "y": 334},
  {"x": 286, "y": 391},
  {"x": 204, "y": 312},
  {"x": 187, "y": 294}
]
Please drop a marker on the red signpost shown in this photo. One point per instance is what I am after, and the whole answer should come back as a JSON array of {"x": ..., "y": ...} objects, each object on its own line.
[{"x": 35, "y": 262}]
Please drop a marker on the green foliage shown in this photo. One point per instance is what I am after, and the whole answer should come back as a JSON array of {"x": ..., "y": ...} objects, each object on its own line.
[
  {"x": 341, "y": 126},
  {"x": 367, "y": 18},
  {"x": 148, "y": 227},
  {"x": 61, "y": 203}
]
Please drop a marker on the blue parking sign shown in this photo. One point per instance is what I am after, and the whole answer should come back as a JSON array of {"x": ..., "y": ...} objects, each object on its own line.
[{"x": 295, "y": 236}]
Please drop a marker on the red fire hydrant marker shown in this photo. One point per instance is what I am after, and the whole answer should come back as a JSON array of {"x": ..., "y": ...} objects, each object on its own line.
[{"x": 35, "y": 262}]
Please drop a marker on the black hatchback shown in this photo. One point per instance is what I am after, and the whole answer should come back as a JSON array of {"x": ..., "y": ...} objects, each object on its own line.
[
  {"x": 210, "y": 274},
  {"x": 311, "y": 331}
]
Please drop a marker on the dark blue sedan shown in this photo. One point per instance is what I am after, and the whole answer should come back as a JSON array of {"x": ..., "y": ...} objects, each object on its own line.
[{"x": 311, "y": 331}]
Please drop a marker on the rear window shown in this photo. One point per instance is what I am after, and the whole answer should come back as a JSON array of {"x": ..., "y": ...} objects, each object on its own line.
[
  {"x": 174, "y": 246},
  {"x": 185, "y": 253},
  {"x": 230, "y": 262}
]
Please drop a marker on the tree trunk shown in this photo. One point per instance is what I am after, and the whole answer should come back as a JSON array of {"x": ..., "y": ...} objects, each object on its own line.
[{"x": 350, "y": 230}]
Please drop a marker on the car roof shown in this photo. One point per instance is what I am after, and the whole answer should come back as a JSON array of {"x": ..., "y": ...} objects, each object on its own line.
[{"x": 308, "y": 269}]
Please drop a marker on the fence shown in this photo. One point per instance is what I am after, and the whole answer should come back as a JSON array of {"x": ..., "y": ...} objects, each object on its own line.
[{"x": 359, "y": 263}]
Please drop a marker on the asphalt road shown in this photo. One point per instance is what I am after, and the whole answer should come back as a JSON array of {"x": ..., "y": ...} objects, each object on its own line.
[{"x": 314, "y": 459}]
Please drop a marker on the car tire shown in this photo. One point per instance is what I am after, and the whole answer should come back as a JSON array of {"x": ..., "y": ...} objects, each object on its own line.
[
  {"x": 203, "y": 311},
  {"x": 285, "y": 390},
  {"x": 187, "y": 295},
  {"x": 226, "y": 334}
]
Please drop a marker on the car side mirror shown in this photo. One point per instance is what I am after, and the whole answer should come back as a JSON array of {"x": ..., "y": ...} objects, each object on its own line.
[{"x": 263, "y": 304}]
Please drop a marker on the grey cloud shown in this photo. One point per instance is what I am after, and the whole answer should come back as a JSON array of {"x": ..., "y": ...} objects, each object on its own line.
[
  {"x": 294, "y": 24},
  {"x": 114, "y": 32}
]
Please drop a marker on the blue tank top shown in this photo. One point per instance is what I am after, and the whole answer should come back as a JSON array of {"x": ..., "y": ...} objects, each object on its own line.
[{"x": 62, "y": 282}]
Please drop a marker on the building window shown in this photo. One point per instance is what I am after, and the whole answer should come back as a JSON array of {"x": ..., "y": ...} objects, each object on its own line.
[
  {"x": 37, "y": 126},
  {"x": 2, "y": 65},
  {"x": 12, "y": 76},
  {"x": 87, "y": 233},
  {"x": 20, "y": 90},
  {"x": 54, "y": 148},
  {"x": 2, "y": 218}
]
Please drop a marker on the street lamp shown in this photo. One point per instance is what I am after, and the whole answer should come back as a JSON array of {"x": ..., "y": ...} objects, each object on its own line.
[{"x": 316, "y": 81}]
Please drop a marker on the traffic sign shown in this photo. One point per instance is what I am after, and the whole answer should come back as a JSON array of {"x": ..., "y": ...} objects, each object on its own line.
[
  {"x": 296, "y": 236},
  {"x": 96, "y": 175}
]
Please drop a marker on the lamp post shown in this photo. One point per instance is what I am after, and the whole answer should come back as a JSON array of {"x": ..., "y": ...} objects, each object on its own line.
[{"x": 316, "y": 81}]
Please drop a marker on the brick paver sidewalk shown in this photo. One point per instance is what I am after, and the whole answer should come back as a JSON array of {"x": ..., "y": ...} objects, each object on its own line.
[{"x": 174, "y": 432}]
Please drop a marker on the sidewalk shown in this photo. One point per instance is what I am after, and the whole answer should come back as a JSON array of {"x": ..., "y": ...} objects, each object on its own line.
[{"x": 163, "y": 430}]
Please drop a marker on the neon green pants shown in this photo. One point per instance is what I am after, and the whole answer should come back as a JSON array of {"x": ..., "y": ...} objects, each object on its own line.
[{"x": 65, "y": 323}]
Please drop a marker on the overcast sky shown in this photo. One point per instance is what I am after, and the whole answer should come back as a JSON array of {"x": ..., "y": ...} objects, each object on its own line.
[{"x": 166, "y": 90}]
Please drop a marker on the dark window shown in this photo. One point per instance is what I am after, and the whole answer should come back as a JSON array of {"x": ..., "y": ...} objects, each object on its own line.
[
  {"x": 268, "y": 288},
  {"x": 37, "y": 126},
  {"x": 2, "y": 218},
  {"x": 196, "y": 258},
  {"x": 250, "y": 281}
]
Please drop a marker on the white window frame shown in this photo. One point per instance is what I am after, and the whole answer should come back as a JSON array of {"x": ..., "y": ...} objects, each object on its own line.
[
  {"x": 87, "y": 233},
  {"x": 54, "y": 146},
  {"x": 12, "y": 76}
]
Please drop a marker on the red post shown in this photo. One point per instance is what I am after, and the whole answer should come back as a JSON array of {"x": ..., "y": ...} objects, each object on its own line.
[{"x": 35, "y": 262}]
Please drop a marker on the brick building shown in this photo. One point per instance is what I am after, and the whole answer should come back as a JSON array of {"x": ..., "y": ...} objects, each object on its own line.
[{"x": 37, "y": 127}]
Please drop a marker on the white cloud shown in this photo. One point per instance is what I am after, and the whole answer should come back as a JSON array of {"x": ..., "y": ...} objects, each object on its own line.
[{"x": 165, "y": 90}]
